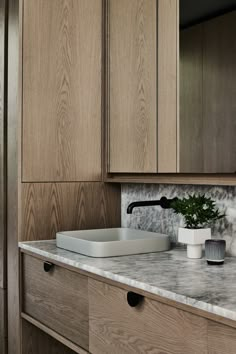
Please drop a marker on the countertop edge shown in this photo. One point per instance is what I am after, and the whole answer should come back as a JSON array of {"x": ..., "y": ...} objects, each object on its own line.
[{"x": 182, "y": 299}]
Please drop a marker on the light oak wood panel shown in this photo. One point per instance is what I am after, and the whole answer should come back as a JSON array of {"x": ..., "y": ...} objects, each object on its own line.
[
  {"x": 132, "y": 86},
  {"x": 34, "y": 341},
  {"x": 58, "y": 299},
  {"x": 54, "y": 335},
  {"x": 167, "y": 100},
  {"x": 180, "y": 178},
  {"x": 51, "y": 207},
  {"x": 191, "y": 101},
  {"x": 13, "y": 172},
  {"x": 151, "y": 328},
  {"x": 219, "y": 85},
  {"x": 207, "y": 124},
  {"x": 221, "y": 339},
  {"x": 2, "y": 147},
  {"x": 172, "y": 303},
  {"x": 3, "y": 325},
  {"x": 62, "y": 90}
]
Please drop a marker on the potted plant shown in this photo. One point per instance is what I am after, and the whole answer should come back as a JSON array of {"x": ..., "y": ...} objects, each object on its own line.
[{"x": 198, "y": 212}]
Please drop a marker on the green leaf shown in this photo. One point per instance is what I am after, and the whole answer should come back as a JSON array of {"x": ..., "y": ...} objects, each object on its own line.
[{"x": 197, "y": 210}]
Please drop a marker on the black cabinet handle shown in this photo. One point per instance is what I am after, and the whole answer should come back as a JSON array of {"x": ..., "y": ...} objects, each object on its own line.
[
  {"x": 47, "y": 266},
  {"x": 134, "y": 299}
]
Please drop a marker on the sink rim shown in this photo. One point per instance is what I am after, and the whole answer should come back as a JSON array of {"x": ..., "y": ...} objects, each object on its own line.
[
  {"x": 154, "y": 243},
  {"x": 152, "y": 235}
]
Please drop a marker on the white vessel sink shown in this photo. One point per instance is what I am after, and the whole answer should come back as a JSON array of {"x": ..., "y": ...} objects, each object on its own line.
[{"x": 112, "y": 242}]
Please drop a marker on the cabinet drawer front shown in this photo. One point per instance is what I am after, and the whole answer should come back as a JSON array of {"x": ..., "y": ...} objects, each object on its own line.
[
  {"x": 151, "y": 327},
  {"x": 58, "y": 298},
  {"x": 221, "y": 339}
]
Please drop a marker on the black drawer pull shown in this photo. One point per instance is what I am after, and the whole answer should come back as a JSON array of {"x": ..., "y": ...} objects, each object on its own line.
[
  {"x": 47, "y": 266},
  {"x": 134, "y": 299}
]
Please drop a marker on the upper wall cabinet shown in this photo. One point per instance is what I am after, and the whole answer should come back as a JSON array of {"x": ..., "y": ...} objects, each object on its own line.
[
  {"x": 62, "y": 90},
  {"x": 207, "y": 120},
  {"x": 142, "y": 85},
  {"x": 171, "y": 88}
]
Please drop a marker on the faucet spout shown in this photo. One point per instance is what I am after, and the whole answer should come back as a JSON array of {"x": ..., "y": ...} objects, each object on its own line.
[{"x": 163, "y": 202}]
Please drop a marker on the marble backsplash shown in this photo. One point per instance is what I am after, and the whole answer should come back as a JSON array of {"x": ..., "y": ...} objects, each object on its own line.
[{"x": 165, "y": 221}]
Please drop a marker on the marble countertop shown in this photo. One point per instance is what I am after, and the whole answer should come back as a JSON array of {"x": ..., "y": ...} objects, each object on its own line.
[{"x": 167, "y": 274}]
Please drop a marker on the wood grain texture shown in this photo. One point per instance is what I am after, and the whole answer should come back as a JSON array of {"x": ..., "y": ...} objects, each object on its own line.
[
  {"x": 2, "y": 147},
  {"x": 58, "y": 299},
  {"x": 48, "y": 208},
  {"x": 54, "y": 334},
  {"x": 151, "y": 328},
  {"x": 112, "y": 332},
  {"x": 168, "y": 27},
  {"x": 13, "y": 172},
  {"x": 172, "y": 303},
  {"x": 191, "y": 100},
  {"x": 221, "y": 339},
  {"x": 3, "y": 326},
  {"x": 180, "y": 178},
  {"x": 207, "y": 124},
  {"x": 34, "y": 341},
  {"x": 219, "y": 85},
  {"x": 132, "y": 86},
  {"x": 62, "y": 90}
]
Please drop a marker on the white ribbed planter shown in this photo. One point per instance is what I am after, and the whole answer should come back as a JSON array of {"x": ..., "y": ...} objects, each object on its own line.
[{"x": 194, "y": 239}]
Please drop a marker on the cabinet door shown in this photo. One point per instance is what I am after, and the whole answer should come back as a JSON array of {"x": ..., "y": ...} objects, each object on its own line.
[
  {"x": 191, "y": 98},
  {"x": 57, "y": 298},
  {"x": 151, "y": 327},
  {"x": 62, "y": 90},
  {"x": 142, "y": 85},
  {"x": 207, "y": 96},
  {"x": 219, "y": 90},
  {"x": 221, "y": 339}
]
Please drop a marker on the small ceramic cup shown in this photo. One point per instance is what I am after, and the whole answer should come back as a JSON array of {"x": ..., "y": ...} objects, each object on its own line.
[{"x": 215, "y": 251}]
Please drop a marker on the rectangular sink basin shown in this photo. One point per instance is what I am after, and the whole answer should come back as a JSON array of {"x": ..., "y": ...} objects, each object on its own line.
[{"x": 112, "y": 242}]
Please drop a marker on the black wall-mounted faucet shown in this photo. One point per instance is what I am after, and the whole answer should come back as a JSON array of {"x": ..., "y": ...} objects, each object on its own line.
[{"x": 163, "y": 202}]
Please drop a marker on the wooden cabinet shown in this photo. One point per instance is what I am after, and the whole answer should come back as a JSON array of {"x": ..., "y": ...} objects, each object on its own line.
[
  {"x": 62, "y": 43},
  {"x": 87, "y": 313},
  {"x": 191, "y": 97},
  {"x": 133, "y": 86},
  {"x": 207, "y": 92},
  {"x": 142, "y": 84},
  {"x": 219, "y": 109},
  {"x": 57, "y": 298},
  {"x": 37, "y": 342},
  {"x": 48, "y": 208},
  {"x": 151, "y": 327},
  {"x": 221, "y": 339}
]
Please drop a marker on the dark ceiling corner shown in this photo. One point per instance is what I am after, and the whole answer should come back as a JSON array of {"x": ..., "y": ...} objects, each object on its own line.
[{"x": 197, "y": 11}]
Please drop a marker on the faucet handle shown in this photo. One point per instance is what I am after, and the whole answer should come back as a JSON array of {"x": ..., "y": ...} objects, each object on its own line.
[{"x": 166, "y": 203}]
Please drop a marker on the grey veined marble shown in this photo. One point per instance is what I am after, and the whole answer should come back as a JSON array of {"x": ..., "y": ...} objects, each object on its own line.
[
  {"x": 165, "y": 221},
  {"x": 168, "y": 274}
]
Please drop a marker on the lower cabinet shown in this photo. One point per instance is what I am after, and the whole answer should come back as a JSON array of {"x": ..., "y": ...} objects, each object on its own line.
[
  {"x": 149, "y": 327},
  {"x": 35, "y": 341},
  {"x": 221, "y": 339},
  {"x": 87, "y": 315},
  {"x": 57, "y": 298}
]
